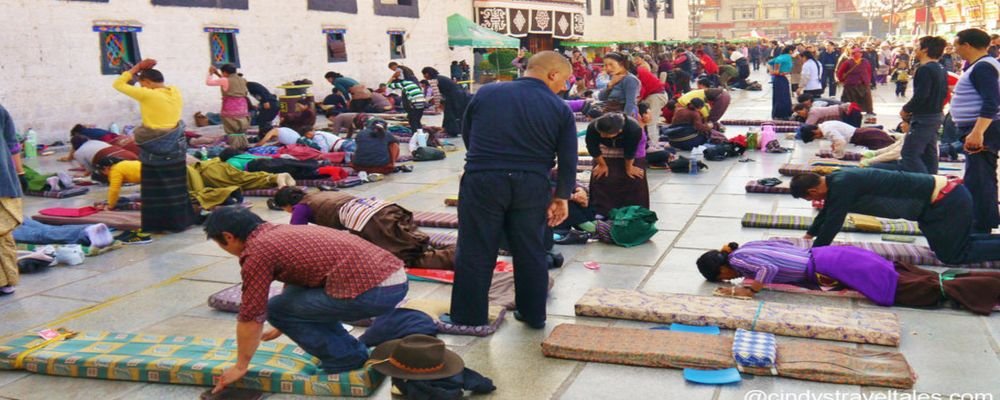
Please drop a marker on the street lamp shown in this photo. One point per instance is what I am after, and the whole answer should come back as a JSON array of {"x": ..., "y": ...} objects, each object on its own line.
[
  {"x": 695, "y": 11},
  {"x": 654, "y": 7}
]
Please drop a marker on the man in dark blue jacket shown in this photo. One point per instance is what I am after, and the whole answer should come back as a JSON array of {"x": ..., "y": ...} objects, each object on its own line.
[
  {"x": 828, "y": 58},
  {"x": 513, "y": 132}
]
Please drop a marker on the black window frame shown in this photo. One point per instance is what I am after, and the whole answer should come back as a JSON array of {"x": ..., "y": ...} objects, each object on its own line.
[
  {"x": 234, "y": 50},
  {"x": 393, "y": 53},
  {"x": 668, "y": 9},
  {"x": 411, "y": 10},
  {"x": 632, "y": 8},
  {"x": 225, "y": 4},
  {"x": 331, "y": 57},
  {"x": 344, "y": 6},
  {"x": 133, "y": 44},
  {"x": 607, "y": 11}
]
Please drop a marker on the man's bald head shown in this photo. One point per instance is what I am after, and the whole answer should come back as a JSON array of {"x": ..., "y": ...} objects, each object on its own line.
[
  {"x": 547, "y": 61},
  {"x": 549, "y": 67}
]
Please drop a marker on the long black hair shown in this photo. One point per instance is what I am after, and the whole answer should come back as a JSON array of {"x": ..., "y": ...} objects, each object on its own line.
[
  {"x": 710, "y": 264},
  {"x": 288, "y": 196},
  {"x": 621, "y": 59}
]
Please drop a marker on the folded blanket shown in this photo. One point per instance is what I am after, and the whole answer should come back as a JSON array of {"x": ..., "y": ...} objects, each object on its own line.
[
  {"x": 754, "y": 187},
  {"x": 435, "y": 219},
  {"x": 59, "y": 194},
  {"x": 123, "y": 220},
  {"x": 799, "y": 222}
]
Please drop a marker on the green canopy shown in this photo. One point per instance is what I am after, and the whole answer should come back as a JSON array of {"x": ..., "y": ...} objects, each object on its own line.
[{"x": 463, "y": 32}]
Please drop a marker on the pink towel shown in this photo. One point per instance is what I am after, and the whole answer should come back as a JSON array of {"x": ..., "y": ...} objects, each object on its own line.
[{"x": 69, "y": 212}]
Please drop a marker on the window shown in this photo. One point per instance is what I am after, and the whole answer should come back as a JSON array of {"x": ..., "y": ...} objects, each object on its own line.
[
  {"x": 811, "y": 12},
  {"x": 397, "y": 8},
  {"x": 776, "y": 13},
  {"x": 668, "y": 9},
  {"x": 119, "y": 48},
  {"x": 588, "y": 7},
  {"x": 744, "y": 13},
  {"x": 607, "y": 7},
  {"x": 230, "y": 4},
  {"x": 710, "y": 15},
  {"x": 344, "y": 6},
  {"x": 222, "y": 47},
  {"x": 633, "y": 8},
  {"x": 396, "y": 48},
  {"x": 336, "y": 47}
]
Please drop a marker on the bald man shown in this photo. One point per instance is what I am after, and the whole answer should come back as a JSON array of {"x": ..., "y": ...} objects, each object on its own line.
[{"x": 513, "y": 132}]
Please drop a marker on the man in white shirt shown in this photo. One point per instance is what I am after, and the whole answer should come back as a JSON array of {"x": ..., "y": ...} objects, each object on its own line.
[{"x": 840, "y": 134}]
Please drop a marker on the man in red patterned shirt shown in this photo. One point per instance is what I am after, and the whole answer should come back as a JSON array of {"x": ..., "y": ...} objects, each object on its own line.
[{"x": 330, "y": 276}]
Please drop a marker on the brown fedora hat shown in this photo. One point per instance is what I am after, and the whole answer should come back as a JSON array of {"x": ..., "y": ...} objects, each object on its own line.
[{"x": 416, "y": 357}]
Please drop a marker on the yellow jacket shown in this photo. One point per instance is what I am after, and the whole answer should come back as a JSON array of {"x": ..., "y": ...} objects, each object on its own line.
[
  {"x": 694, "y": 94},
  {"x": 160, "y": 108},
  {"x": 128, "y": 171}
]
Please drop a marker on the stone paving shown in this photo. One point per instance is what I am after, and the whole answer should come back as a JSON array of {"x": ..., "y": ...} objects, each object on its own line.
[{"x": 162, "y": 287}]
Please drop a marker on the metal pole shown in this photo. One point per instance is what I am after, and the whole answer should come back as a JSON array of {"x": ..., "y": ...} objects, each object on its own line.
[{"x": 892, "y": 19}]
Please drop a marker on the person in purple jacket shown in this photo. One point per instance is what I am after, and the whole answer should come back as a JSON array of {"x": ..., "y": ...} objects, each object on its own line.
[{"x": 883, "y": 282}]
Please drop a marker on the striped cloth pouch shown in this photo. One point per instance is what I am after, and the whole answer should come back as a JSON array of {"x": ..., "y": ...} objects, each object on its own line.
[
  {"x": 848, "y": 156},
  {"x": 59, "y": 194},
  {"x": 754, "y": 349}
]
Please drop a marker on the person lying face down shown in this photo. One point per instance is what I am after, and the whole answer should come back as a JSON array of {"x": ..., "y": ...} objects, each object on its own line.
[
  {"x": 841, "y": 134},
  {"x": 881, "y": 281}
]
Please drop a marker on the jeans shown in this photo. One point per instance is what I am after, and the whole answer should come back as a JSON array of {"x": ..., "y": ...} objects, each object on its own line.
[
  {"x": 311, "y": 318},
  {"x": 35, "y": 232},
  {"x": 829, "y": 81},
  {"x": 496, "y": 204},
  {"x": 920, "y": 153},
  {"x": 948, "y": 227},
  {"x": 981, "y": 179}
]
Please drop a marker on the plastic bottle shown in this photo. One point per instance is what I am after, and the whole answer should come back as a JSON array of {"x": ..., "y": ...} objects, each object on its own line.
[
  {"x": 30, "y": 144},
  {"x": 696, "y": 155},
  {"x": 767, "y": 134},
  {"x": 752, "y": 140},
  {"x": 421, "y": 138},
  {"x": 113, "y": 128},
  {"x": 203, "y": 153}
]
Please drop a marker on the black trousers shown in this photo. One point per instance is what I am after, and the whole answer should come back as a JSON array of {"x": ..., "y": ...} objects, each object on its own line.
[
  {"x": 495, "y": 204},
  {"x": 298, "y": 169},
  {"x": 829, "y": 81},
  {"x": 413, "y": 116},
  {"x": 981, "y": 179},
  {"x": 920, "y": 152}
]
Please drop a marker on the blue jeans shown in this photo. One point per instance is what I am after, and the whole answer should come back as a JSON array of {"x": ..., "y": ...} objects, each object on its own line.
[
  {"x": 497, "y": 204},
  {"x": 311, "y": 318},
  {"x": 948, "y": 226},
  {"x": 920, "y": 153},
  {"x": 35, "y": 232},
  {"x": 981, "y": 179},
  {"x": 829, "y": 80}
]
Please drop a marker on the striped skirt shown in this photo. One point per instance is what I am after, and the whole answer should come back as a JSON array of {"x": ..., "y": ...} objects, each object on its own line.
[{"x": 166, "y": 204}]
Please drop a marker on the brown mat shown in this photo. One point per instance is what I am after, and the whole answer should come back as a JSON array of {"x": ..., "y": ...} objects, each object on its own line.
[
  {"x": 811, "y": 361},
  {"x": 123, "y": 220},
  {"x": 841, "y": 324}
]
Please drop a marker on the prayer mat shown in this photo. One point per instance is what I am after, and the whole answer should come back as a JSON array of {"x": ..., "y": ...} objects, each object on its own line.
[
  {"x": 88, "y": 251},
  {"x": 846, "y": 325},
  {"x": 587, "y": 162},
  {"x": 442, "y": 239},
  {"x": 754, "y": 187},
  {"x": 122, "y": 220},
  {"x": 126, "y": 206},
  {"x": 435, "y": 219},
  {"x": 260, "y": 192},
  {"x": 759, "y": 122},
  {"x": 184, "y": 360},
  {"x": 900, "y": 252},
  {"x": 794, "y": 170},
  {"x": 800, "y": 222},
  {"x": 832, "y": 162},
  {"x": 436, "y": 308},
  {"x": 848, "y": 156},
  {"x": 810, "y": 361},
  {"x": 59, "y": 194}
]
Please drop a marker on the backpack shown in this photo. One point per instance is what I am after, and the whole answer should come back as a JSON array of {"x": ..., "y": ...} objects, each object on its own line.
[
  {"x": 632, "y": 225},
  {"x": 428, "y": 154},
  {"x": 682, "y": 164}
]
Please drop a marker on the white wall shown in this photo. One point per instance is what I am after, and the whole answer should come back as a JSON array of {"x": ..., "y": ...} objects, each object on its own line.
[
  {"x": 50, "y": 76},
  {"x": 621, "y": 27}
]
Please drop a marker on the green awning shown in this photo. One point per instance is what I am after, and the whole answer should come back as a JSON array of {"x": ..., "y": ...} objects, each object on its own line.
[{"x": 463, "y": 32}]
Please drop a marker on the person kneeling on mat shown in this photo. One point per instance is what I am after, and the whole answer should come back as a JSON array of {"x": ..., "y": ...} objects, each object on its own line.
[
  {"x": 883, "y": 282},
  {"x": 941, "y": 205},
  {"x": 841, "y": 133},
  {"x": 330, "y": 276}
]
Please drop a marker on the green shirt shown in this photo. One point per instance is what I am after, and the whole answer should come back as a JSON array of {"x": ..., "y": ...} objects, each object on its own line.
[{"x": 240, "y": 161}]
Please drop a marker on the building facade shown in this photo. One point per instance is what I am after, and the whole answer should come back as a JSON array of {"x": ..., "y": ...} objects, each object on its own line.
[{"x": 772, "y": 19}]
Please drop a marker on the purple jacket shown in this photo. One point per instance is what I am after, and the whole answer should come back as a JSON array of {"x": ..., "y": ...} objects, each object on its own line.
[{"x": 858, "y": 269}]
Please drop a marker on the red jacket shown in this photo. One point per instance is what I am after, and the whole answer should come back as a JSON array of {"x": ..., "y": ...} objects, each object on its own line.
[
  {"x": 711, "y": 67},
  {"x": 650, "y": 83}
]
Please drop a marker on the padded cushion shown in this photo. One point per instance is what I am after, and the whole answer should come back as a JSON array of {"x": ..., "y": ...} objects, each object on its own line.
[
  {"x": 59, "y": 194},
  {"x": 858, "y": 326},
  {"x": 435, "y": 219},
  {"x": 186, "y": 360},
  {"x": 123, "y": 220},
  {"x": 800, "y": 222},
  {"x": 848, "y": 156},
  {"x": 754, "y": 187},
  {"x": 806, "y": 360},
  {"x": 435, "y": 308},
  {"x": 88, "y": 251}
]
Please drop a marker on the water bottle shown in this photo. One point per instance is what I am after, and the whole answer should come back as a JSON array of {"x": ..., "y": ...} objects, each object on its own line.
[
  {"x": 421, "y": 138},
  {"x": 696, "y": 154},
  {"x": 767, "y": 134},
  {"x": 30, "y": 144},
  {"x": 114, "y": 128},
  {"x": 203, "y": 153},
  {"x": 752, "y": 140}
]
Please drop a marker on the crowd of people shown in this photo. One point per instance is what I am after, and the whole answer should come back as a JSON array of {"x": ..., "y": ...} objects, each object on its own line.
[{"x": 519, "y": 189}]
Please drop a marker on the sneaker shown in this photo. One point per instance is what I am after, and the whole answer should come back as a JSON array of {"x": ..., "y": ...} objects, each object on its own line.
[
  {"x": 6, "y": 290},
  {"x": 135, "y": 237}
]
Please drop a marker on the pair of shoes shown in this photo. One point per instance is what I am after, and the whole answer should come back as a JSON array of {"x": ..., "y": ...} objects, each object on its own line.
[
  {"x": 532, "y": 325},
  {"x": 554, "y": 260},
  {"x": 6, "y": 290},
  {"x": 574, "y": 237},
  {"x": 134, "y": 237}
]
